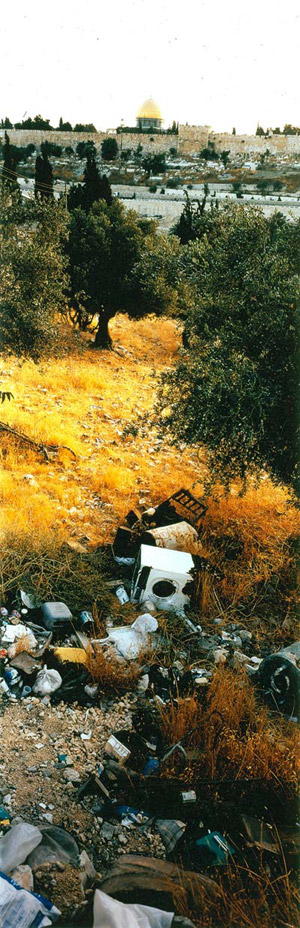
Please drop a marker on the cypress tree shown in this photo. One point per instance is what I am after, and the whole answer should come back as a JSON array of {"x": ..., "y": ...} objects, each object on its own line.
[
  {"x": 43, "y": 186},
  {"x": 9, "y": 175},
  {"x": 93, "y": 189}
]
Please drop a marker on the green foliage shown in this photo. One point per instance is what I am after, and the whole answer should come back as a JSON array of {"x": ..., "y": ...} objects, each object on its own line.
[
  {"x": 138, "y": 153},
  {"x": 262, "y": 185},
  {"x": 94, "y": 188},
  {"x": 209, "y": 153},
  {"x": 194, "y": 221},
  {"x": 225, "y": 155},
  {"x": 43, "y": 181},
  {"x": 84, "y": 149},
  {"x": 9, "y": 175},
  {"x": 236, "y": 387},
  {"x": 290, "y": 130},
  {"x": 84, "y": 127},
  {"x": 32, "y": 273},
  {"x": 109, "y": 149},
  {"x": 50, "y": 148},
  {"x": 153, "y": 282},
  {"x": 64, "y": 126},
  {"x": 154, "y": 164},
  {"x": 37, "y": 123},
  {"x": 125, "y": 154},
  {"x": 6, "y": 123},
  {"x": 107, "y": 250},
  {"x": 260, "y": 130},
  {"x": 172, "y": 183},
  {"x": 69, "y": 150}
]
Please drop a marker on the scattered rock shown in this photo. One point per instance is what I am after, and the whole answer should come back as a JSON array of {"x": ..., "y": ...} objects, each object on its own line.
[{"x": 23, "y": 876}]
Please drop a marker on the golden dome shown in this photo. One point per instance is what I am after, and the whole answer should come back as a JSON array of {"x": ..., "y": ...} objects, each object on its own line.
[{"x": 149, "y": 110}]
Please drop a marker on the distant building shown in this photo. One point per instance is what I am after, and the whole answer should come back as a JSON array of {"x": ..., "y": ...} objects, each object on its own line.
[{"x": 149, "y": 116}]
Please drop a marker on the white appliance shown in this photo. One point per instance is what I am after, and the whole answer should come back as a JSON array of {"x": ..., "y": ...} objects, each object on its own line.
[{"x": 162, "y": 576}]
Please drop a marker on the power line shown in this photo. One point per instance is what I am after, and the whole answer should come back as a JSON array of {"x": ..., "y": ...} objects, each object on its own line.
[{"x": 15, "y": 175}]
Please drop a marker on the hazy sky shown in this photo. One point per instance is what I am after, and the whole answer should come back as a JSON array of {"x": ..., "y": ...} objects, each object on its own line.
[{"x": 219, "y": 63}]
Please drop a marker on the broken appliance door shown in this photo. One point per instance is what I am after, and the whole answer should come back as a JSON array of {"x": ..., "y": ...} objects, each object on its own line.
[{"x": 164, "y": 577}]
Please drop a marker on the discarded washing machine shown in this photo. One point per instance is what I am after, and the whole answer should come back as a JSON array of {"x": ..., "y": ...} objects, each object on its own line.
[
  {"x": 279, "y": 677},
  {"x": 164, "y": 577}
]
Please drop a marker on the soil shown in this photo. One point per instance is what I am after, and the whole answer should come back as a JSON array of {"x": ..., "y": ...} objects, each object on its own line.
[{"x": 31, "y": 786}]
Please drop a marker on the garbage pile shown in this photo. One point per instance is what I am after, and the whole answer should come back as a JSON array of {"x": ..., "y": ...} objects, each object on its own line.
[
  {"x": 44, "y": 648},
  {"x": 45, "y": 653}
]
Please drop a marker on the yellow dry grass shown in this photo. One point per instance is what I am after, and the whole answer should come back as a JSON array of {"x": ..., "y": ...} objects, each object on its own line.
[
  {"x": 84, "y": 399},
  {"x": 236, "y": 735}
]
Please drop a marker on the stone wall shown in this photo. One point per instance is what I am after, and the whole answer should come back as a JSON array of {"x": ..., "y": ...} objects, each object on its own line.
[
  {"x": 191, "y": 140},
  {"x": 37, "y": 136}
]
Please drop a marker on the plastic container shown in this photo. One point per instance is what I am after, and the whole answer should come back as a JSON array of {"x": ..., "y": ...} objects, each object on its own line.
[{"x": 55, "y": 614}]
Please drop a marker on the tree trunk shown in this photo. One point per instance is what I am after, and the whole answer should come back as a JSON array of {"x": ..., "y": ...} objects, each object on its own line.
[
  {"x": 185, "y": 339},
  {"x": 102, "y": 337}
]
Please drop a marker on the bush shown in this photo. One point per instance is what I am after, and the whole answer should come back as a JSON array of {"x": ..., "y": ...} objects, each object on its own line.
[
  {"x": 109, "y": 149},
  {"x": 33, "y": 273},
  {"x": 88, "y": 127},
  {"x": 50, "y": 148},
  {"x": 172, "y": 183},
  {"x": 84, "y": 149}
]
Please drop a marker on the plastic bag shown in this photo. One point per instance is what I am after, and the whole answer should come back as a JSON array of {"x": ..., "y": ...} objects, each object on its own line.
[
  {"x": 130, "y": 640},
  {"x": 57, "y": 844},
  {"x": 109, "y": 913},
  {"x": 47, "y": 681},
  {"x": 15, "y": 846},
  {"x": 22, "y": 909}
]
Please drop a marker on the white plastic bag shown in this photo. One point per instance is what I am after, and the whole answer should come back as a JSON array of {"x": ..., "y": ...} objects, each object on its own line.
[
  {"x": 47, "y": 681},
  {"x": 130, "y": 640},
  {"x": 22, "y": 909},
  {"x": 109, "y": 913},
  {"x": 15, "y": 846}
]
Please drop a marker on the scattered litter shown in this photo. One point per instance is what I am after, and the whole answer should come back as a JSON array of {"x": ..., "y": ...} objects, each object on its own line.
[
  {"x": 109, "y": 913},
  {"x": 164, "y": 577},
  {"x": 55, "y": 615},
  {"x": 218, "y": 848},
  {"x": 18, "y": 907},
  {"x": 16, "y": 844},
  {"x": 130, "y": 640},
  {"x": 47, "y": 681},
  {"x": 71, "y": 655},
  {"x": 117, "y": 750},
  {"x": 279, "y": 676}
]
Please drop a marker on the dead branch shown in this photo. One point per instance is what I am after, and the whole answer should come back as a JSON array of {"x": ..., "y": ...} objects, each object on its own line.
[{"x": 39, "y": 446}]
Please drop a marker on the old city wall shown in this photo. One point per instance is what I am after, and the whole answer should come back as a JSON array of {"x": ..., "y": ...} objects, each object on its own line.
[
  {"x": 190, "y": 140},
  {"x": 193, "y": 138},
  {"x": 127, "y": 140}
]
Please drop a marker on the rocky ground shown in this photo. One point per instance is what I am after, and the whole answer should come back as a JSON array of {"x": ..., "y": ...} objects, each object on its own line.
[{"x": 33, "y": 789}]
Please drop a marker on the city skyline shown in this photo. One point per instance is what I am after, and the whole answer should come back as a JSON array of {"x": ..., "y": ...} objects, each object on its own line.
[{"x": 204, "y": 65}]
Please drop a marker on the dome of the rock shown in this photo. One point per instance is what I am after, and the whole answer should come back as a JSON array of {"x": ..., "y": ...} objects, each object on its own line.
[{"x": 149, "y": 115}]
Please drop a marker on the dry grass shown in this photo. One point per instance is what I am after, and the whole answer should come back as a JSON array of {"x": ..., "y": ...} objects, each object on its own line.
[
  {"x": 236, "y": 736},
  {"x": 111, "y": 675},
  {"x": 248, "y": 899},
  {"x": 85, "y": 399}
]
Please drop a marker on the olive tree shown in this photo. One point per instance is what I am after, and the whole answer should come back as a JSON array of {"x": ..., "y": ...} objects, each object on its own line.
[{"x": 235, "y": 388}]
